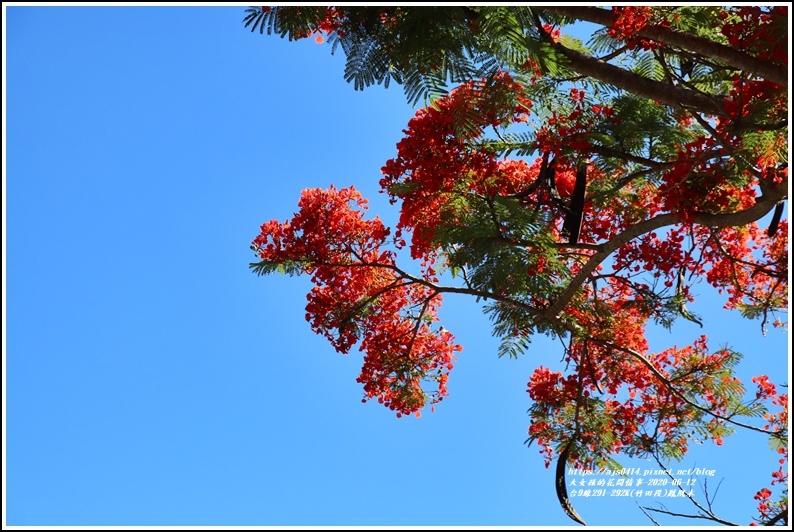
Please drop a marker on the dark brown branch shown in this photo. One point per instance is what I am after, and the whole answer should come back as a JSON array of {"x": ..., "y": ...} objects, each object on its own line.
[
  {"x": 772, "y": 229},
  {"x": 665, "y": 93},
  {"x": 700, "y": 45},
  {"x": 559, "y": 477},
  {"x": 573, "y": 220},
  {"x": 774, "y": 126},
  {"x": 614, "y": 54},
  {"x": 782, "y": 515}
]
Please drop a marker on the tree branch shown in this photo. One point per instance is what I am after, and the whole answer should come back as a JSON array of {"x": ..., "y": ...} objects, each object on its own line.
[
  {"x": 700, "y": 45},
  {"x": 690, "y": 516},
  {"x": 669, "y": 385},
  {"x": 617, "y": 154},
  {"x": 782, "y": 515},
  {"x": 654, "y": 521},
  {"x": 764, "y": 204},
  {"x": 709, "y": 514},
  {"x": 665, "y": 93}
]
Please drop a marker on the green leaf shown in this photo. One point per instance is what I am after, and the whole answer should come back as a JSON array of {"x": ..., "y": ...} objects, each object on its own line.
[{"x": 266, "y": 267}]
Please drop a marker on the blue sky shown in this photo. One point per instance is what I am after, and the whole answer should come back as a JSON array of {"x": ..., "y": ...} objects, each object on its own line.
[{"x": 152, "y": 380}]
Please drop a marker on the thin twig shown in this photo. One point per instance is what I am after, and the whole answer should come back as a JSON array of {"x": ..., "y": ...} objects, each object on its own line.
[
  {"x": 669, "y": 385},
  {"x": 647, "y": 514},
  {"x": 709, "y": 515}
]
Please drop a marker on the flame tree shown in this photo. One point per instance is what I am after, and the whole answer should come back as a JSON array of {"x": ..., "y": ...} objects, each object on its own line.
[{"x": 579, "y": 191}]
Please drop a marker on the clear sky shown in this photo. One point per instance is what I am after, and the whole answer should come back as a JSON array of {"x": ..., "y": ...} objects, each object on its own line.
[{"x": 152, "y": 379}]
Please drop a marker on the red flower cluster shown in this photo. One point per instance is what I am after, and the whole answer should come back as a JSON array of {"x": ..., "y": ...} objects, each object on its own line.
[
  {"x": 776, "y": 422},
  {"x": 360, "y": 295},
  {"x": 434, "y": 162},
  {"x": 753, "y": 29},
  {"x": 655, "y": 413},
  {"x": 629, "y": 21},
  {"x": 553, "y": 32},
  {"x": 747, "y": 95},
  {"x": 765, "y": 388},
  {"x": 572, "y": 130}
]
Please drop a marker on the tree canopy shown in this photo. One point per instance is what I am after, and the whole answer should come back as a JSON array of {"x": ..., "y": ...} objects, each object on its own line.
[{"x": 579, "y": 190}]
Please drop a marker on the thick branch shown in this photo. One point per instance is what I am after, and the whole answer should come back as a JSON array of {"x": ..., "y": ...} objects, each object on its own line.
[
  {"x": 659, "y": 91},
  {"x": 700, "y": 45},
  {"x": 782, "y": 515},
  {"x": 763, "y": 205}
]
